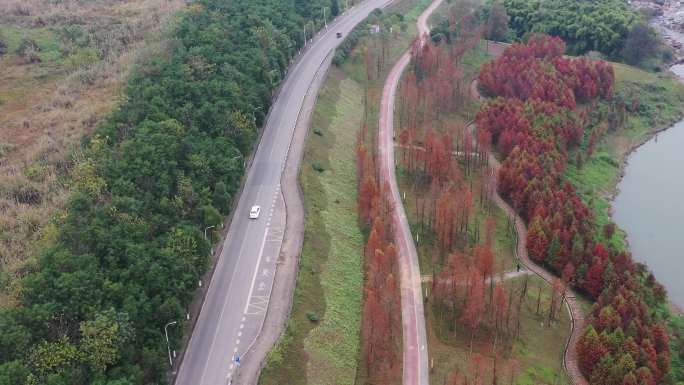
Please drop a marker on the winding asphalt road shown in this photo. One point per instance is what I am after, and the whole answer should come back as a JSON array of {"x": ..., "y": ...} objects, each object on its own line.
[
  {"x": 415, "y": 355},
  {"x": 239, "y": 293}
]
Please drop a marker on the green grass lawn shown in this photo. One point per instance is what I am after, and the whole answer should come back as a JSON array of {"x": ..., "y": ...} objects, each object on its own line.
[
  {"x": 535, "y": 357},
  {"x": 329, "y": 285},
  {"x": 334, "y": 342},
  {"x": 47, "y": 40}
]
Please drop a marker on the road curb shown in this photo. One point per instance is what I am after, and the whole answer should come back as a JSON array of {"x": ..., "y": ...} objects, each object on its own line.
[{"x": 284, "y": 283}]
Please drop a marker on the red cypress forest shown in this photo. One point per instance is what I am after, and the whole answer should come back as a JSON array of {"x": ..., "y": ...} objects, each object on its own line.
[
  {"x": 536, "y": 122},
  {"x": 381, "y": 321},
  {"x": 478, "y": 320}
]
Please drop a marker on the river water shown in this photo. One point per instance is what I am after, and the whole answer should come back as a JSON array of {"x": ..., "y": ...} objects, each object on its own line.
[{"x": 650, "y": 206}]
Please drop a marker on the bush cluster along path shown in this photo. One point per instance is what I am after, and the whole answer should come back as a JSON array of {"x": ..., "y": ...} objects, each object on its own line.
[{"x": 571, "y": 362}]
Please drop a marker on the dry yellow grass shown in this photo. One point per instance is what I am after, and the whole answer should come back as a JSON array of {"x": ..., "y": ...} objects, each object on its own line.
[{"x": 46, "y": 108}]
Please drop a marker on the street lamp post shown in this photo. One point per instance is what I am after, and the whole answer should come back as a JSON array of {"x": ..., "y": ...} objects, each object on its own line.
[
  {"x": 205, "y": 231},
  {"x": 324, "y": 19},
  {"x": 168, "y": 346}
]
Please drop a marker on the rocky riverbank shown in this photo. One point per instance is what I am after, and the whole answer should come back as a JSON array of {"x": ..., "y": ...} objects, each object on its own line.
[{"x": 667, "y": 16}]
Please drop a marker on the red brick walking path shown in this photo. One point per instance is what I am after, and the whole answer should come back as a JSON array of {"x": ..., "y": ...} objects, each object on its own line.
[{"x": 415, "y": 352}]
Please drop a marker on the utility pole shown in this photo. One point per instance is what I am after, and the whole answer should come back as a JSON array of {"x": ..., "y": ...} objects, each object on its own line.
[
  {"x": 325, "y": 21},
  {"x": 168, "y": 346}
]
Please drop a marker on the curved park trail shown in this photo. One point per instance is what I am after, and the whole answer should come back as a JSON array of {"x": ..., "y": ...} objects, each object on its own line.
[
  {"x": 415, "y": 355},
  {"x": 570, "y": 361}
]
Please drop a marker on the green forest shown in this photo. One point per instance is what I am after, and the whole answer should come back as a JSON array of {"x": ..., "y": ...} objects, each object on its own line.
[
  {"x": 611, "y": 27},
  {"x": 165, "y": 165}
]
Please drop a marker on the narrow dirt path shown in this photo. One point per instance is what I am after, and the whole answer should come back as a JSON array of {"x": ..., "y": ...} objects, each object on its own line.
[
  {"x": 505, "y": 276},
  {"x": 415, "y": 354},
  {"x": 570, "y": 361}
]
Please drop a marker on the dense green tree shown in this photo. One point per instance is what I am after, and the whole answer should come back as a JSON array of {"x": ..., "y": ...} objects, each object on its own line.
[
  {"x": 222, "y": 198},
  {"x": 242, "y": 128},
  {"x": 54, "y": 358},
  {"x": 211, "y": 216},
  {"x": 13, "y": 373},
  {"x": 159, "y": 170},
  {"x": 641, "y": 44},
  {"x": 15, "y": 338},
  {"x": 598, "y": 25},
  {"x": 496, "y": 27},
  {"x": 103, "y": 338}
]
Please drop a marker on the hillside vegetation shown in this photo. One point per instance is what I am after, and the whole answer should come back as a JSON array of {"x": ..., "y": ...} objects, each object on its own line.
[
  {"x": 129, "y": 249},
  {"x": 63, "y": 64},
  {"x": 611, "y": 27}
]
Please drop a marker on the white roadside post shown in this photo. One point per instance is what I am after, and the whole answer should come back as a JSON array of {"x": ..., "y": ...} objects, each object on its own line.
[{"x": 304, "y": 35}]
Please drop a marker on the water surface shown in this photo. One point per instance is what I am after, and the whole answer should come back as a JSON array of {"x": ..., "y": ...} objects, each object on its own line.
[{"x": 650, "y": 209}]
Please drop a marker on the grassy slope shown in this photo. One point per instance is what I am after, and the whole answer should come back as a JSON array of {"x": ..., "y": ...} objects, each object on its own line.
[
  {"x": 334, "y": 343},
  {"x": 333, "y": 246},
  {"x": 661, "y": 97},
  {"x": 330, "y": 280}
]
